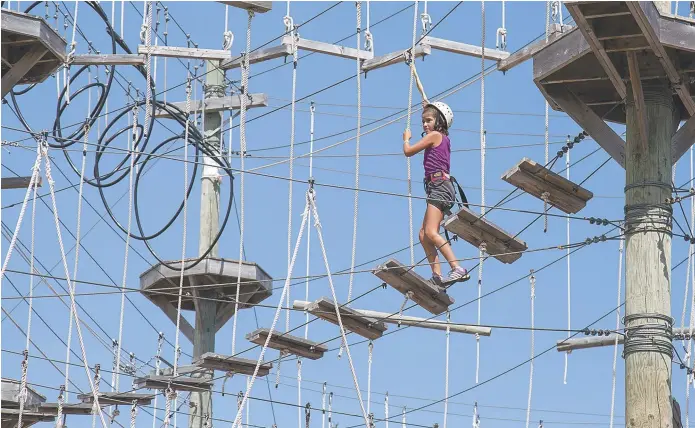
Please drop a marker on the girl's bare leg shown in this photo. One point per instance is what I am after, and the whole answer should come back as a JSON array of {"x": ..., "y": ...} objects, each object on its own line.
[
  {"x": 430, "y": 252},
  {"x": 433, "y": 218}
]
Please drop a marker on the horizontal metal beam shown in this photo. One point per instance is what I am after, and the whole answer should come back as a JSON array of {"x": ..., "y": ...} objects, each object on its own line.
[
  {"x": 395, "y": 58},
  {"x": 254, "y": 6},
  {"x": 180, "y": 52},
  {"x": 328, "y": 48},
  {"x": 109, "y": 59},
  {"x": 567, "y": 345},
  {"x": 683, "y": 139},
  {"x": 260, "y": 55},
  {"x": 464, "y": 49},
  {"x": 18, "y": 182},
  {"x": 411, "y": 321},
  {"x": 231, "y": 102}
]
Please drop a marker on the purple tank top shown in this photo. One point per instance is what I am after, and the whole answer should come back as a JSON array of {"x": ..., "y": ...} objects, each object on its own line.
[{"x": 438, "y": 158}]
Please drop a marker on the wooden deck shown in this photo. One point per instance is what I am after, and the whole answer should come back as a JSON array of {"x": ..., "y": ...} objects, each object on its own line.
[
  {"x": 212, "y": 361},
  {"x": 353, "y": 321}
]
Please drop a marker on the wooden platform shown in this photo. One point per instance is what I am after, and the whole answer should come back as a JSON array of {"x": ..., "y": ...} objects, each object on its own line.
[
  {"x": 114, "y": 398},
  {"x": 259, "y": 55},
  {"x": 500, "y": 244},
  {"x": 536, "y": 180},
  {"x": 254, "y": 6},
  {"x": 212, "y": 361},
  {"x": 18, "y": 182},
  {"x": 406, "y": 280},
  {"x": 213, "y": 277},
  {"x": 10, "y": 417},
  {"x": 109, "y": 59},
  {"x": 68, "y": 408},
  {"x": 10, "y": 394},
  {"x": 288, "y": 343},
  {"x": 584, "y": 72},
  {"x": 178, "y": 383},
  {"x": 353, "y": 321},
  {"x": 31, "y": 49}
]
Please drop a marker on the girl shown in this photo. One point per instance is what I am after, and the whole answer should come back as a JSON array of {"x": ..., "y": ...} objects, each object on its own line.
[{"x": 436, "y": 120}]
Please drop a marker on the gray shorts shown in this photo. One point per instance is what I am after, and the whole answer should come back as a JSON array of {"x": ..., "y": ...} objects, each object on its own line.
[{"x": 441, "y": 194}]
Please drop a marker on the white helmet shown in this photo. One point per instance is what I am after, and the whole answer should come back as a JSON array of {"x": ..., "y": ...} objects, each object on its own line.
[{"x": 445, "y": 111}]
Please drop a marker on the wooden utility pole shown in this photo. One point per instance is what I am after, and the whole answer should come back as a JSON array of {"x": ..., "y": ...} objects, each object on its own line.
[
  {"x": 648, "y": 349},
  {"x": 206, "y": 310}
]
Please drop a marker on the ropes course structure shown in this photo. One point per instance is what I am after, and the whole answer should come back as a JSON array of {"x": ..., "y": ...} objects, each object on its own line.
[{"x": 154, "y": 105}]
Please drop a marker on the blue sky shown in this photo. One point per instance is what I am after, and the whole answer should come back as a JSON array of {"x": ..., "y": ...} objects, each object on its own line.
[{"x": 409, "y": 363}]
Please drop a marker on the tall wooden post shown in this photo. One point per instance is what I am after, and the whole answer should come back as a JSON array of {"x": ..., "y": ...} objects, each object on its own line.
[
  {"x": 206, "y": 310},
  {"x": 648, "y": 219}
]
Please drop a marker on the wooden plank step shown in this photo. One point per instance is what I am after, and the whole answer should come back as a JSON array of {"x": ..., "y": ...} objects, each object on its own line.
[
  {"x": 464, "y": 48},
  {"x": 367, "y": 327},
  {"x": 288, "y": 343},
  {"x": 68, "y": 408},
  {"x": 259, "y": 55},
  {"x": 178, "y": 383},
  {"x": 252, "y": 6},
  {"x": 114, "y": 398},
  {"x": 406, "y": 280},
  {"x": 18, "y": 182},
  {"x": 328, "y": 48},
  {"x": 212, "y": 361},
  {"x": 181, "y": 52},
  {"x": 467, "y": 225},
  {"x": 536, "y": 180},
  {"x": 109, "y": 59},
  {"x": 394, "y": 58},
  {"x": 213, "y": 105}
]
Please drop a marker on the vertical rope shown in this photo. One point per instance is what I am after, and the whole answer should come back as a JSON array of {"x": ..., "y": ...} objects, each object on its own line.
[
  {"x": 323, "y": 405},
  {"x": 133, "y": 413},
  {"x": 148, "y": 44},
  {"x": 117, "y": 374},
  {"x": 95, "y": 406},
  {"x": 25, "y": 362},
  {"x": 157, "y": 365},
  {"x": 358, "y": 7},
  {"x": 386, "y": 410},
  {"x": 569, "y": 274},
  {"x": 330, "y": 410},
  {"x": 299, "y": 393},
  {"x": 403, "y": 422},
  {"x": 547, "y": 120},
  {"x": 407, "y": 126},
  {"x": 476, "y": 416},
  {"x": 291, "y": 161},
  {"x": 242, "y": 161},
  {"x": 312, "y": 111},
  {"x": 59, "y": 416},
  {"x": 481, "y": 250},
  {"x": 369, "y": 377},
  {"x": 617, "y": 326},
  {"x": 446, "y": 368},
  {"x": 688, "y": 346},
  {"x": 71, "y": 56},
  {"x": 532, "y": 278}
]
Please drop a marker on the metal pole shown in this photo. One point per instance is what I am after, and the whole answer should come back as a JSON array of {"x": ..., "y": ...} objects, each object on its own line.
[{"x": 206, "y": 310}]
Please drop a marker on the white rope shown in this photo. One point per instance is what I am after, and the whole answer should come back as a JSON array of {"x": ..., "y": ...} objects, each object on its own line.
[
  {"x": 227, "y": 36},
  {"x": 148, "y": 66},
  {"x": 403, "y": 422},
  {"x": 358, "y": 6},
  {"x": 501, "y": 38},
  {"x": 386, "y": 410},
  {"x": 299, "y": 393},
  {"x": 177, "y": 349},
  {"x": 157, "y": 365},
  {"x": 407, "y": 126},
  {"x": 369, "y": 377},
  {"x": 481, "y": 250},
  {"x": 237, "y": 418},
  {"x": 312, "y": 112},
  {"x": 476, "y": 416},
  {"x": 532, "y": 278},
  {"x": 59, "y": 415},
  {"x": 133, "y": 413},
  {"x": 167, "y": 18},
  {"x": 323, "y": 405},
  {"x": 71, "y": 285},
  {"x": 547, "y": 119},
  {"x": 25, "y": 362},
  {"x": 446, "y": 368},
  {"x": 688, "y": 346},
  {"x": 242, "y": 157},
  {"x": 70, "y": 57},
  {"x": 368, "y": 38},
  {"x": 95, "y": 405},
  {"x": 295, "y": 58},
  {"x": 569, "y": 274},
  {"x": 312, "y": 203},
  {"x": 77, "y": 254},
  {"x": 617, "y": 326},
  {"x": 117, "y": 373},
  {"x": 330, "y": 410}
]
